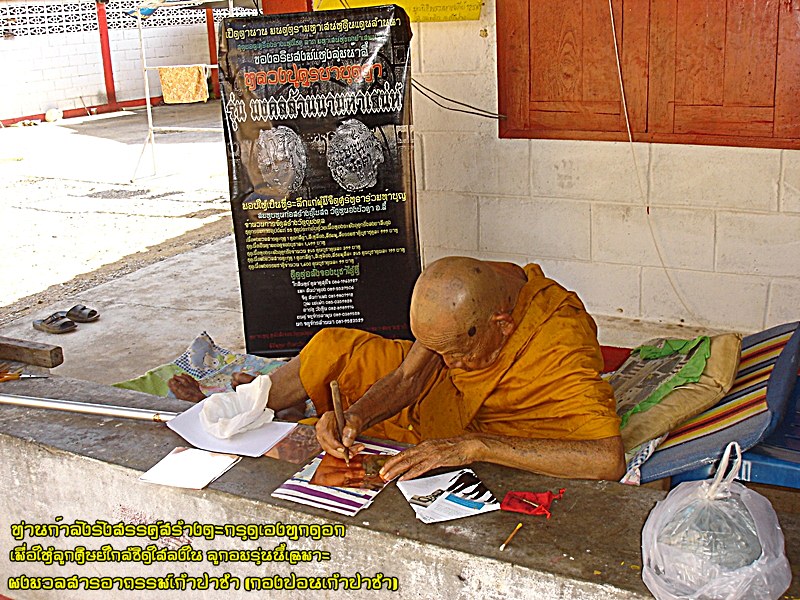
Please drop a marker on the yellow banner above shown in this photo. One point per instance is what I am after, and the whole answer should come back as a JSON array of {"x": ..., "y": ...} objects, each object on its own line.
[{"x": 418, "y": 10}]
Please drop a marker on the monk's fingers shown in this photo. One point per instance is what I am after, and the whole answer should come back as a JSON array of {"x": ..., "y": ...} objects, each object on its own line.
[
  {"x": 184, "y": 379},
  {"x": 418, "y": 470},
  {"x": 338, "y": 451},
  {"x": 426, "y": 456},
  {"x": 413, "y": 462},
  {"x": 356, "y": 449},
  {"x": 240, "y": 377},
  {"x": 351, "y": 430},
  {"x": 327, "y": 435},
  {"x": 185, "y": 387},
  {"x": 393, "y": 467}
]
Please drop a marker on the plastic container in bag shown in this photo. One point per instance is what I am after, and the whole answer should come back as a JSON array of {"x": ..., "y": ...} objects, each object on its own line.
[{"x": 715, "y": 539}]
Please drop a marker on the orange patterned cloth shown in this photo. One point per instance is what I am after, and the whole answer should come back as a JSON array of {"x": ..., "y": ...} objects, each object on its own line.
[
  {"x": 180, "y": 85},
  {"x": 545, "y": 383}
]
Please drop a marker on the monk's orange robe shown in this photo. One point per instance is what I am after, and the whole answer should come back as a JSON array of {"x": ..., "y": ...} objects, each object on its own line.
[{"x": 544, "y": 384}]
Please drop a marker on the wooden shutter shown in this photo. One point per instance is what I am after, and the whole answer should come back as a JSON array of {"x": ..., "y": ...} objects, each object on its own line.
[
  {"x": 558, "y": 67},
  {"x": 695, "y": 71}
]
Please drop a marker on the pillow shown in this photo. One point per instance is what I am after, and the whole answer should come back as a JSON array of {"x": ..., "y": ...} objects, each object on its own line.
[{"x": 682, "y": 388}]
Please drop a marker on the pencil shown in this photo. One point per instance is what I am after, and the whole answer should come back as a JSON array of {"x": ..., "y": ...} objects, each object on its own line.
[
  {"x": 337, "y": 409},
  {"x": 510, "y": 535}
]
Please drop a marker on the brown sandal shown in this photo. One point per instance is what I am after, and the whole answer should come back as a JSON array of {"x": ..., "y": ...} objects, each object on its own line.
[
  {"x": 81, "y": 314},
  {"x": 55, "y": 323}
]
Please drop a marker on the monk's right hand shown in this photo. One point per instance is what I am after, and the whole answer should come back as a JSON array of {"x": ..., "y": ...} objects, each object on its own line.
[{"x": 328, "y": 434}]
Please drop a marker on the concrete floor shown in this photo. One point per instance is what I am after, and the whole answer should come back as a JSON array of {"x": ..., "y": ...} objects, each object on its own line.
[{"x": 66, "y": 188}]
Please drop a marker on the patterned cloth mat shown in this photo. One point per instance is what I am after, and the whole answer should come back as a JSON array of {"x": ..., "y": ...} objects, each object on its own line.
[{"x": 210, "y": 364}]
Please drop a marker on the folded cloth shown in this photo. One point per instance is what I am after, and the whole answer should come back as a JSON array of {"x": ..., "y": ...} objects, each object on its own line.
[
  {"x": 180, "y": 85},
  {"x": 530, "y": 503}
]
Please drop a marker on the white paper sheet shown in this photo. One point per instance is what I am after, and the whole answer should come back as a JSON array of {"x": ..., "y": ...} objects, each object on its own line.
[
  {"x": 448, "y": 496},
  {"x": 189, "y": 468},
  {"x": 249, "y": 443}
]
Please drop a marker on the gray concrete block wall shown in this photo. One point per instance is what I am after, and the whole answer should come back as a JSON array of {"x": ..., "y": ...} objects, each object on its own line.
[
  {"x": 51, "y": 71},
  {"x": 789, "y": 190},
  {"x": 722, "y": 300},
  {"x": 164, "y": 46},
  {"x": 783, "y": 295},
  {"x": 597, "y": 172},
  {"x": 715, "y": 176},
  {"x": 65, "y": 70},
  {"x": 560, "y": 228},
  {"x": 604, "y": 288},
  {"x": 683, "y": 238},
  {"x": 700, "y": 235}
]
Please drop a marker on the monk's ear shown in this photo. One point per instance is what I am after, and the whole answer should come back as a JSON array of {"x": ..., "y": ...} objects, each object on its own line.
[{"x": 506, "y": 322}]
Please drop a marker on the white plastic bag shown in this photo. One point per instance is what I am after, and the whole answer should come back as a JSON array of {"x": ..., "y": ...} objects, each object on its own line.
[
  {"x": 227, "y": 413},
  {"x": 715, "y": 539}
]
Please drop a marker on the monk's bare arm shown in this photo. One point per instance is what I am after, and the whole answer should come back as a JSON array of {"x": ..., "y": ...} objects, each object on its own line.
[
  {"x": 398, "y": 389},
  {"x": 589, "y": 459},
  {"x": 387, "y": 396}
]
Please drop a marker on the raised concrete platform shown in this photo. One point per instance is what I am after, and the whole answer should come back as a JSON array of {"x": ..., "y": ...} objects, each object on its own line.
[{"x": 65, "y": 467}]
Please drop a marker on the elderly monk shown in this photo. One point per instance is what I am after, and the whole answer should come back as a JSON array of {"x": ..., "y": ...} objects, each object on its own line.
[{"x": 504, "y": 369}]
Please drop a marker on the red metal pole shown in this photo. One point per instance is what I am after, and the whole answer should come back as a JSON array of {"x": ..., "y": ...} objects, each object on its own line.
[
  {"x": 212, "y": 50},
  {"x": 105, "y": 50}
]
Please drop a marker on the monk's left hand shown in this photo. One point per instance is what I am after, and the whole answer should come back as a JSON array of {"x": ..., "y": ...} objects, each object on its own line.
[{"x": 413, "y": 462}]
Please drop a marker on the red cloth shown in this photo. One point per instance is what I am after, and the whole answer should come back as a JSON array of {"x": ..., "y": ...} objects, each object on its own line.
[
  {"x": 613, "y": 357},
  {"x": 523, "y": 502}
]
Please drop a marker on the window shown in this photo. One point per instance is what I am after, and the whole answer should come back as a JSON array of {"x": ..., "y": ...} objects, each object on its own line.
[{"x": 695, "y": 71}]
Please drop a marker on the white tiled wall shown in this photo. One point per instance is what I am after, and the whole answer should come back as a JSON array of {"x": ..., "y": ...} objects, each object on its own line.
[{"x": 703, "y": 235}]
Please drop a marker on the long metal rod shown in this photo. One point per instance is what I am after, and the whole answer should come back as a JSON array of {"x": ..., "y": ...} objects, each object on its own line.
[
  {"x": 167, "y": 128},
  {"x": 208, "y": 66},
  {"x": 150, "y": 140},
  {"x": 124, "y": 412}
]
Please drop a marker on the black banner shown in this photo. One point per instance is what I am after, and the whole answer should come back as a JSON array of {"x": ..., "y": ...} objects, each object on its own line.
[{"x": 317, "y": 120}]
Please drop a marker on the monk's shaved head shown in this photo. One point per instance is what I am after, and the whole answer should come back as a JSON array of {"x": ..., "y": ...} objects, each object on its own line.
[{"x": 455, "y": 299}]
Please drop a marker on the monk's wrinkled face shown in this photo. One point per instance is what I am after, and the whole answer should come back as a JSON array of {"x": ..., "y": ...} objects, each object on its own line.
[{"x": 477, "y": 348}]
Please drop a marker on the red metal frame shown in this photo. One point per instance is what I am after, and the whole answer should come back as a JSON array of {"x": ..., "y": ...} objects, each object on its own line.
[
  {"x": 89, "y": 110},
  {"x": 105, "y": 50},
  {"x": 277, "y": 7},
  {"x": 212, "y": 50}
]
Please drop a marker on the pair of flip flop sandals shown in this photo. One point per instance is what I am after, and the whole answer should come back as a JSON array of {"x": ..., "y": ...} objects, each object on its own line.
[{"x": 63, "y": 321}]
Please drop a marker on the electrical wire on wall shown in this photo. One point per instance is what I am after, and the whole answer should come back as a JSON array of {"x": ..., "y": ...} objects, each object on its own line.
[
  {"x": 642, "y": 195},
  {"x": 473, "y": 110}
]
